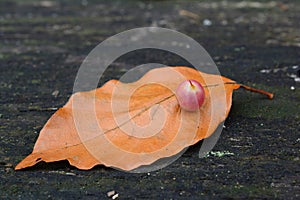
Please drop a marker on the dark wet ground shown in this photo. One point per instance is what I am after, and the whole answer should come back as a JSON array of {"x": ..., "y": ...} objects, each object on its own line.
[{"x": 42, "y": 44}]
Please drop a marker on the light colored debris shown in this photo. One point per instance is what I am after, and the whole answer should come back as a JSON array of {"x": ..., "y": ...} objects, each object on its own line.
[
  {"x": 207, "y": 22},
  {"x": 63, "y": 173},
  {"x": 265, "y": 71},
  {"x": 219, "y": 153},
  {"x": 115, "y": 196},
  {"x": 189, "y": 14},
  {"x": 111, "y": 193},
  {"x": 55, "y": 93}
]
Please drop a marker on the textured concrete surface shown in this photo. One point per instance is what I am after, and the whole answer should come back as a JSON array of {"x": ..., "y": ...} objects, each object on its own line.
[{"x": 42, "y": 44}]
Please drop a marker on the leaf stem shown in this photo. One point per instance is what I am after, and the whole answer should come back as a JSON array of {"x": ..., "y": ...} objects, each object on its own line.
[{"x": 268, "y": 94}]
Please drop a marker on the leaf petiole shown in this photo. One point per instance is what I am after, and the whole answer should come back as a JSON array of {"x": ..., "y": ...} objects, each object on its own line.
[{"x": 268, "y": 94}]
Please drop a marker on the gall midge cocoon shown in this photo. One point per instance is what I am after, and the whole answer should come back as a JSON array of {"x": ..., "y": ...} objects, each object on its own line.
[{"x": 190, "y": 95}]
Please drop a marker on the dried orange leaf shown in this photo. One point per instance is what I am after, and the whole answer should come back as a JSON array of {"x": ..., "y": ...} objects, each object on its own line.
[{"x": 127, "y": 125}]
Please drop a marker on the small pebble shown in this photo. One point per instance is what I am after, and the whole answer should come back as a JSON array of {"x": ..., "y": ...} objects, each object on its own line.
[
  {"x": 207, "y": 22},
  {"x": 111, "y": 193},
  {"x": 115, "y": 196}
]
